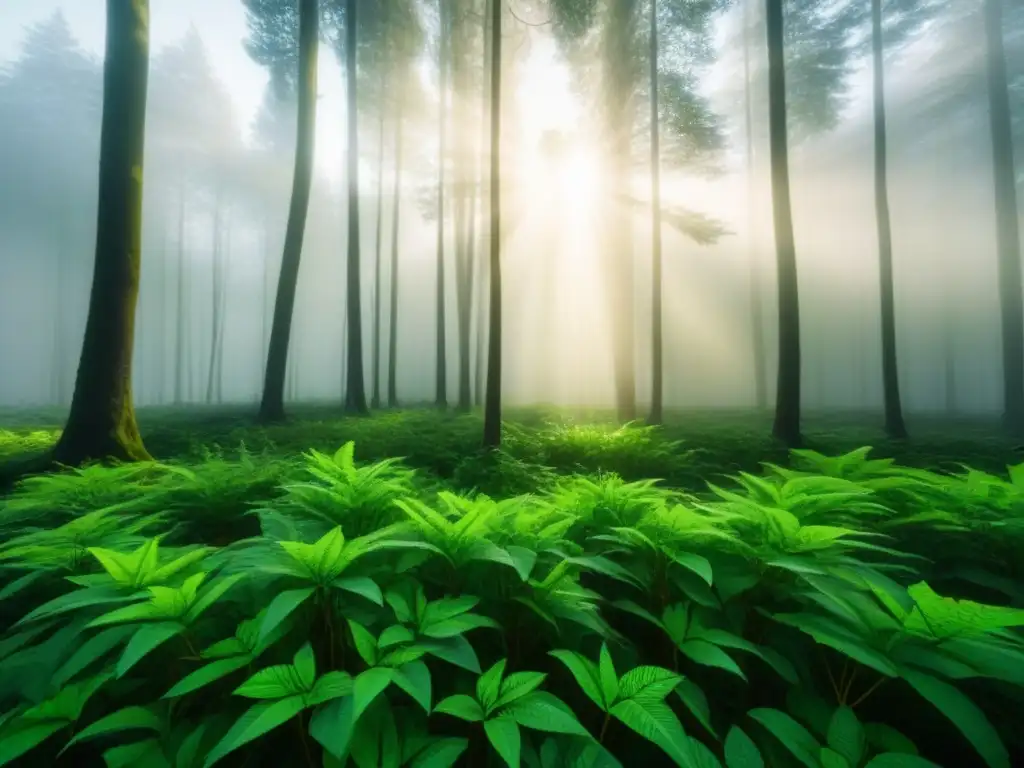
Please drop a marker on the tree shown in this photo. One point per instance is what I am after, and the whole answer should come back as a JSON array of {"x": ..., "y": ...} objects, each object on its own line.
[
  {"x": 787, "y": 398},
  {"x": 657, "y": 373},
  {"x": 355, "y": 390},
  {"x": 1011, "y": 305},
  {"x": 266, "y": 48},
  {"x": 102, "y": 422},
  {"x": 492, "y": 401},
  {"x": 441, "y": 373}
]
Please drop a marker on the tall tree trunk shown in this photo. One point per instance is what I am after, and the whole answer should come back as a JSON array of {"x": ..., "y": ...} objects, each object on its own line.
[
  {"x": 272, "y": 405},
  {"x": 355, "y": 392},
  {"x": 264, "y": 301},
  {"x": 894, "y": 425},
  {"x": 787, "y": 396},
  {"x": 101, "y": 423},
  {"x": 179, "y": 336},
  {"x": 441, "y": 373},
  {"x": 492, "y": 403},
  {"x": 377, "y": 279},
  {"x": 657, "y": 346},
  {"x": 215, "y": 295},
  {"x": 482, "y": 279},
  {"x": 223, "y": 300},
  {"x": 470, "y": 283},
  {"x": 395, "y": 220},
  {"x": 756, "y": 300},
  {"x": 1011, "y": 304}
]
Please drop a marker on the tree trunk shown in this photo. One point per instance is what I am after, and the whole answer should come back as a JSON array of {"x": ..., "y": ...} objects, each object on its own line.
[
  {"x": 378, "y": 266},
  {"x": 272, "y": 405},
  {"x": 894, "y": 425},
  {"x": 223, "y": 299},
  {"x": 470, "y": 283},
  {"x": 657, "y": 347},
  {"x": 101, "y": 423},
  {"x": 395, "y": 219},
  {"x": 441, "y": 373},
  {"x": 756, "y": 301},
  {"x": 215, "y": 302},
  {"x": 492, "y": 404},
  {"x": 179, "y": 336},
  {"x": 787, "y": 396},
  {"x": 482, "y": 281},
  {"x": 1011, "y": 304},
  {"x": 355, "y": 391}
]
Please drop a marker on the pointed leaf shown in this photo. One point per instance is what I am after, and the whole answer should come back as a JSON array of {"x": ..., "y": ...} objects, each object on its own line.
[
  {"x": 145, "y": 640},
  {"x": 793, "y": 736},
  {"x": 440, "y": 753},
  {"x": 281, "y": 607},
  {"x": 258, "y": 720},
  {"x": 362, "y": 586},
  {"x": 503, "y": 733},
  {"x": 606, "y": 671},
  {"x": 586, "y": 674},
  {"x": 740, "y": 750},
  {"x": 125, "y": 719},
  {"x": 414, "y": 679},
  {"x": 542, "y": 711},
  {"x": 653, "y": 720},
  {"x": 207, "y": 674},
  {"x": 846, "y": 735}
]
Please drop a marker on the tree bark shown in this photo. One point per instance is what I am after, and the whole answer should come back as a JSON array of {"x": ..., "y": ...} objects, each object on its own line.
[
  {"x": 395, "y": 220},
  {"x": 894, "y": 425},
  {"x": 441, "y": 373},
  {"x": 787, "y": 397},
  {"x": 492, "y": 403},
  {"x": 101, "y": 424},
  {"x": 179, "y": 336},
  {"x": 756, "y": 299},
  {"x": 657, "y": 346},
  {"x": 272, "y": 405},
  {"x": 1011, "y": 303},
  {"x": 215, "y": 304},
  {"x": 378, "y": 265},
  {"x": 355, "y": 392}
]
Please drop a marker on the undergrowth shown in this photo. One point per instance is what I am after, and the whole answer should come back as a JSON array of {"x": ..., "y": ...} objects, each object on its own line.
[{"x": 312, "y": 608}]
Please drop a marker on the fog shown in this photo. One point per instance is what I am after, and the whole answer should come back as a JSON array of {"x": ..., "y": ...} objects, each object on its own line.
[{"x": 219, "y": 153}]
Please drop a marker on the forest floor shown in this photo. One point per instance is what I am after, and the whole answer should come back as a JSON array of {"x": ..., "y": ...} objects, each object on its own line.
[
  {"x": 692, "y": 447},
  {"x": 771, "y": 593}
]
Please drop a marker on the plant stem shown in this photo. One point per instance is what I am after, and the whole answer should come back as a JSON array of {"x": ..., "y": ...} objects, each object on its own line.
[
  {"x": 604, "y": 727},
  {"x": 868, "y": 692},
  {"x": 305, "y": 742}
]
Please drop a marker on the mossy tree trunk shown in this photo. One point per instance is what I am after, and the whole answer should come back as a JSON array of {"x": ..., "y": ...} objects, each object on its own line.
[
  {"x": 102, "y": 424},
  {"x": 272, "y": 405}
]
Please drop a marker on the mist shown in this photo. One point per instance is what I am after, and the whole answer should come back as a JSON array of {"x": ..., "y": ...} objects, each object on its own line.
[{"x": 220, "y": 142}]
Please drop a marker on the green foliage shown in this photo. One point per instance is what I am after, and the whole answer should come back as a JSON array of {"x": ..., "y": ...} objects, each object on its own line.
[{"x": 389, "y": 622}]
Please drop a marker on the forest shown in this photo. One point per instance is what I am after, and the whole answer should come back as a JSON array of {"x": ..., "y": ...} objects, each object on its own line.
[{"x": 544, "y": 383}]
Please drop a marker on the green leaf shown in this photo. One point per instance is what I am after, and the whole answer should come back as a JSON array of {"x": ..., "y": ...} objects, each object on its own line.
[
  {"x": 461, "y": 706},
  {"x": 653, "y": 720},
  {"x": 740, "y": 750},
  {"x": 93, "y": 649},
  {"x": 207, "y": 674},
  {"x": 695, "y": 563},
  {"x": 964, "y": 714},
  {"x": 488, "y": 685},
  {"x": 709, "y": 655},
  {"x": 831, "y": 759},
  {"x": 846, "y": 735},
  {"x": 145, "y": 640},
  {"x": 440, "y": 753},
  {"x": 258, "y": 720},
  {"x": 125, "y": 719},
  {"x": 608, "y": 676},
  {"x": 885, "y": 738},
  {"x": 458, "y": 625},
  {"x": 454, "y": 650},
  {"x": 695, "y": 700},
  {"x": 643, "y": 683},
  {"x": 586, "y": 674},
  {"x": 793, "y": 736},
  {"x": 899, "y": 760},
  {"x": 281, "y": 607},
  {"x": 394, "y": 635},
  {"x": 331, "y": 685},
  {"x": 523, "y": 558},
  {"x": 362, "y": 586},
  {"x": 332, "y": 726},
  {"x": 305, "y": 666},
  {"x": 503, "y": 733},
  {"x": 367, "y": 686},
  {"x": 149, "y": 753},
  {"x": 828, "y": 632},
  {"x": 274, "y": 682},
  {"x": 213, "y": 592},
  {"x": 414, "y": 679},
  {"x": 541, "y": 711},
  {"x": 517, "y": 685},
  {"x": 365, "y": 644},
  {"x": 24, "y": 736}
]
